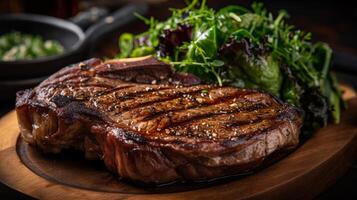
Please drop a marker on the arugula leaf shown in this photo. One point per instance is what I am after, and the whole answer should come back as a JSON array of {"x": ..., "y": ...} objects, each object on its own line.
[
  {"x": 207, "y": 40},
  {"x": 126, "y": 45}
]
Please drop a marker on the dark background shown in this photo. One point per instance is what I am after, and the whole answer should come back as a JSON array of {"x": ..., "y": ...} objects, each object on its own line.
[{"x": 330, "y": 21}]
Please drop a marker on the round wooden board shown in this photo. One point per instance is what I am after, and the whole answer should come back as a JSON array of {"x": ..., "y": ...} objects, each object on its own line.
[{"x": 303, "y": 174}]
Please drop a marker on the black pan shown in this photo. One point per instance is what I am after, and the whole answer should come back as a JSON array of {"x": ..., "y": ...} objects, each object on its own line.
[{"x": 77, "y": 43}]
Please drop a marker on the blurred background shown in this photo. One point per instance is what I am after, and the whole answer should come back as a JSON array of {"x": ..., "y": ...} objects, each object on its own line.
[{"x": 331, "y": 21}]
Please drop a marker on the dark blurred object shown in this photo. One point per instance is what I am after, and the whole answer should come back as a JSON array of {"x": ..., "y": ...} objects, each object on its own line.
[
  {"x": 345, "y": 62},
  {"x": 56, "y": 8},
  {"x": 11, "y": 6},
  {"x": 85, "y": 18}
]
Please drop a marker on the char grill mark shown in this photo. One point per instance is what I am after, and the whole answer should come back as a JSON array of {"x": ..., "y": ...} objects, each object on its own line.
[
  {"x": 147, "y": 97},
  {"x": 162, "y": 115},
  {"x": 113, "y": 97},
  {"x": 180, "y": 101},
  {"x": 137, "y": 91},
  {"x": 218, "y": 131},
  {"x": 112, "y": 90},
  {"x": 227, "y": 126},
  {"x": 78, "y": 93},
  {"x": 178, "y": 118},
  {"x": 78, "y": 77}
]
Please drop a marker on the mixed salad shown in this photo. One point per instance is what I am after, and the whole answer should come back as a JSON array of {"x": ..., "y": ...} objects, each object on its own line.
[
  {"x": 247, "y": 48},
  {"x": 21, "y": 46}
]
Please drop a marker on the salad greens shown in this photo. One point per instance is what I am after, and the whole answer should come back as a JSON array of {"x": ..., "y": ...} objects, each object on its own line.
[
  {"x": 245, "y": 48},
  {"x": 20, "y": 46}
]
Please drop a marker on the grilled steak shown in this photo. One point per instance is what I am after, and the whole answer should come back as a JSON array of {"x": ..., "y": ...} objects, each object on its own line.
[{"x": 150, "y": 124}]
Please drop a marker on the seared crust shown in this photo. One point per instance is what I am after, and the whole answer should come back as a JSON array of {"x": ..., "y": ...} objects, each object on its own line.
[{"x": 152, "y": 125}]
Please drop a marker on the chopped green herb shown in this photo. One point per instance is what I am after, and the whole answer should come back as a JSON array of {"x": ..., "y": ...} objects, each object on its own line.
[{"x": 19, "y": 46}]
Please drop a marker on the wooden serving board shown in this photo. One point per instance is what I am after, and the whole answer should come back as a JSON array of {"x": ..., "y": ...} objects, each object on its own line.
[{"x": 303, "y": 174}]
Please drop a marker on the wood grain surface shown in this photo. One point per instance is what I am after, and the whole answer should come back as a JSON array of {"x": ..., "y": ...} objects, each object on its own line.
[{"x": 303, "y": 174}]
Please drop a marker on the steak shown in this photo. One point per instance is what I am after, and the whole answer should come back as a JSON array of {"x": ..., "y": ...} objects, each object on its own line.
[{"x": 153, "y": 125}]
